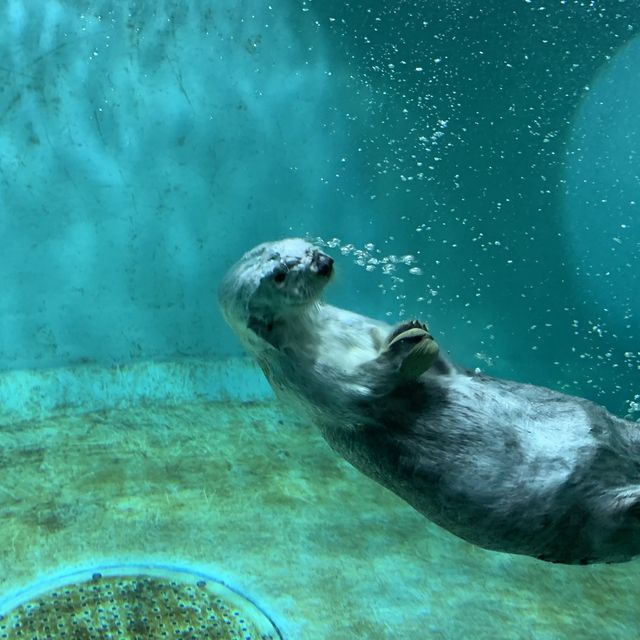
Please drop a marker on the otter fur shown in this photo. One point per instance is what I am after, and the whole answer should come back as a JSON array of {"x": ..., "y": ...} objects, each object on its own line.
[{"x": 507, "y": 466}]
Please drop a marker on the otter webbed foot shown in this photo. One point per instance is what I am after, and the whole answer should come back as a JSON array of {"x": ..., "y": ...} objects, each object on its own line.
[{"x": 412, "y": 348}]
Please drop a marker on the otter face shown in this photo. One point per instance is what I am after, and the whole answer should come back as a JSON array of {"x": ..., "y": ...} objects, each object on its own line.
[
  {"x": 272, "y": 281},
  {"x": 295, "y": 272}
]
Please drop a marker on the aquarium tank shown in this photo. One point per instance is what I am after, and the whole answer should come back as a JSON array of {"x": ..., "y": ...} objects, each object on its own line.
[{"x": 475, "y": 165}]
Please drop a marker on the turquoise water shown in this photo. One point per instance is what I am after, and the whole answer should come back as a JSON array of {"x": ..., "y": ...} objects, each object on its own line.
[{"x": 472, "y": 164}]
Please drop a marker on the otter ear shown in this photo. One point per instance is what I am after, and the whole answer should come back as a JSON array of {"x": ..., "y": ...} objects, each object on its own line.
[{"x": 263, "y": 328}]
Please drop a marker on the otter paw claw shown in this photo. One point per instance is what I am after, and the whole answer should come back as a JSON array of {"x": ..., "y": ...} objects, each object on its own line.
[{"x": 404, "y": 327}]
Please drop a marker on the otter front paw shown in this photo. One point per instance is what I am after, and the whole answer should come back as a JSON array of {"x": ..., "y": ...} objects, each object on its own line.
[
  {"x": 403, "y": 327},
  {"x": 415, "y": 348}
]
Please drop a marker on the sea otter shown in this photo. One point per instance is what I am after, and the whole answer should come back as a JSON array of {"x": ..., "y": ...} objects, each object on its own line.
[{"x": 510, "y": 467}]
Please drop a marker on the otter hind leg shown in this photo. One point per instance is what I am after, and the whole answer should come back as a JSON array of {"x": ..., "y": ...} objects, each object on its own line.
[
  {"x": 628, "y": 503},
  {"x": 623, "y": 515}
]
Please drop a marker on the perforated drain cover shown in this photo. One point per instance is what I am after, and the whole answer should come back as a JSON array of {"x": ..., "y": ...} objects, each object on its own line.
[{"x": 133, "y": 603}]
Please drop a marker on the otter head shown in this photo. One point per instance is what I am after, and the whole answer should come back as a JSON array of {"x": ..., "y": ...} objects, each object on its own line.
[{"x": 272, "y": 281}]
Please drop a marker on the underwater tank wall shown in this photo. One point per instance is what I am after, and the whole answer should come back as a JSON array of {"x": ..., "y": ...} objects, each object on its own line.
[
  {"x": 478, "y": 162},
  {"x": 143, "y": 146}
]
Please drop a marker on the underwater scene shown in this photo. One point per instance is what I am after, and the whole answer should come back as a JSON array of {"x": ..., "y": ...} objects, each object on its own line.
[{"x": 333, "y": 436}]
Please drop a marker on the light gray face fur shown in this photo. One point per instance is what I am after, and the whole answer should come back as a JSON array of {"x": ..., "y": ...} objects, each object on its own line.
[
  {"x": 507, "y": 466},
  {"x": 268, "y": 283}
]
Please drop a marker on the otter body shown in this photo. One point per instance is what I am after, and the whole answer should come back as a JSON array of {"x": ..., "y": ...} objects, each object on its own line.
[{"x": 507, "y": 466}]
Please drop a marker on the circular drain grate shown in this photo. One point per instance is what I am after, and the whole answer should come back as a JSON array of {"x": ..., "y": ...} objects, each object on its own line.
[{"x": 146, "y": 603}]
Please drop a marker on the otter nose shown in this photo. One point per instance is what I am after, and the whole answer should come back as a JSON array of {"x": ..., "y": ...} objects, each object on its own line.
[{"x": 323, "y": 264}]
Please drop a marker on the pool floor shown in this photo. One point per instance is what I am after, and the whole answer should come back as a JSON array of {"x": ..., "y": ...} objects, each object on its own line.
[{"x": 243, "y": 493}]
